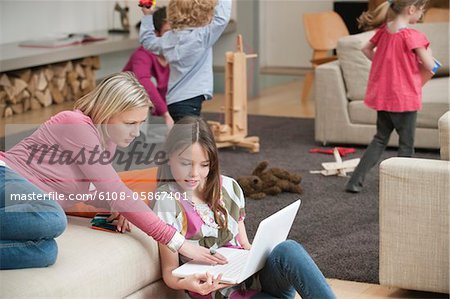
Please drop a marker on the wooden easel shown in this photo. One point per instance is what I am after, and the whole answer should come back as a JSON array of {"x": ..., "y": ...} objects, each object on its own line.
[{"x": 234, "y": 131}]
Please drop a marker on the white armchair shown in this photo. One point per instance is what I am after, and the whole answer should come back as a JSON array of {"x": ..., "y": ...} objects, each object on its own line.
[{"x": 414, "y": 219}]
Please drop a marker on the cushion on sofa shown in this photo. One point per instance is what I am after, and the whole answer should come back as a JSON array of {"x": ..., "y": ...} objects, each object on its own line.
[
  {"x": 435, "y": 100},
  {"x": 355, "y": 66}
]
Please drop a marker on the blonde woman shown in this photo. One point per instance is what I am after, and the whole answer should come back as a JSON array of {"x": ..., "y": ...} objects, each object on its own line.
[
  {"x": 71, "y": 154},
  {"x": 196, "y": 26}
]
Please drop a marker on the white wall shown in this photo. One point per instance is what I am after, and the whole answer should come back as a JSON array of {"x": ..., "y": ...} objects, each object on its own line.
[{"x": 282, "y": 39}]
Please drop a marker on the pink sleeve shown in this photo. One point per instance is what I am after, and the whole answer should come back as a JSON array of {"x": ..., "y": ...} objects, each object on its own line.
[
  {"x": 415, "y": 39},
  {"x": 141, "y": 65},
  {"x": 98, "y": 170}
]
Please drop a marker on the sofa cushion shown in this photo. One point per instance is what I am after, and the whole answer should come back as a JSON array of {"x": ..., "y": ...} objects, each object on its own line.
[
  {"x": 90, "y": 263},
  {"x": 355, "y": 66},
  {"x": 434, "y": 100}
]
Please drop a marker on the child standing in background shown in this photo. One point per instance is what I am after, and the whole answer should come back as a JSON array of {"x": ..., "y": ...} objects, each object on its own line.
[
  {"x": 145, "y": 65},
  {"x": 196, "y": 26},
  {"x": 395, "y": 83},
  {"x": 209, "y": 210}
]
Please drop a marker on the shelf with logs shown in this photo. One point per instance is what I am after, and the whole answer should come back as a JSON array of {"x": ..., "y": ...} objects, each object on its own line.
[{"x": 42, "y": 86}]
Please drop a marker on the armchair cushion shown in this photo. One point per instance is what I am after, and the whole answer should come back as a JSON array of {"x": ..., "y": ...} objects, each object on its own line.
[{"x": 444, "y": 136}]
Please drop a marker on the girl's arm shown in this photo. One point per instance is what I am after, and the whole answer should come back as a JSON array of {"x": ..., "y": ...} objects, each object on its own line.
[
  {"x": 147, "y": 36},
  {"x": 199, "y": 283},
  {"x": 425, "y": 57},
  {"x": 368, "y": 50},
  {"x": 243, "y": 239},
  {"x": 222, "y": 14}
]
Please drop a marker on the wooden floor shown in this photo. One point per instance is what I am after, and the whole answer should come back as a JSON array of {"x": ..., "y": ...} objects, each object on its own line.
[{"x": 282, "y": 100}]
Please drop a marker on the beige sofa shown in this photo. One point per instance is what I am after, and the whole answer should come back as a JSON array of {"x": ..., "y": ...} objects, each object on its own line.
[
  {"x": 93, "y": 264},
  {"x": 342, "y": 117},
  {"x": 414, "y": 219}
]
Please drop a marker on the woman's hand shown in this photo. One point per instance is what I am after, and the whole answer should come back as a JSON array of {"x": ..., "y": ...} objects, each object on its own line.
[
  {"x": 122, "y": 223},
  {"x": 204, "y": 284},
  {"x": 201, "y": 254}
]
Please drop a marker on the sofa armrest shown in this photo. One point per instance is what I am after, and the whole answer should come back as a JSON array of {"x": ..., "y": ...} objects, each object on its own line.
[
  {"x": 330, "y": 100},
  {"x": 414, "y": 224},
  {"x": 444, "y": 135}
]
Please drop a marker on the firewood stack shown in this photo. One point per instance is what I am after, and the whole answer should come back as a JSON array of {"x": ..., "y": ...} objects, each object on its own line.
[{"x": 34, "y": 88}]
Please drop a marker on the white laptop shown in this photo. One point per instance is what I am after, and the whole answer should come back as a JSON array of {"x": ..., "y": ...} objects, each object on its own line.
[{"x": 243, "y": 263}]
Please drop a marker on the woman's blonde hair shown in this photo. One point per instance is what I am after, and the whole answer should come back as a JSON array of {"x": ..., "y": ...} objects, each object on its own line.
[
  {"x": 384, "y": 12},
  {"x": 190, "y": 13},
  {"x": 185, "y": 133},
  {"x": 117, "y": 93}
]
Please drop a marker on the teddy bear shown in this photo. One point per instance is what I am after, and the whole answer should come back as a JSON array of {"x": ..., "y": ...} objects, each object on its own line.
[{"x": 270, "y": 181}]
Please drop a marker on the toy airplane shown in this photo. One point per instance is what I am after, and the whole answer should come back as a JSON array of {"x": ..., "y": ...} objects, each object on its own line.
[{"x": 339, "y": 168}]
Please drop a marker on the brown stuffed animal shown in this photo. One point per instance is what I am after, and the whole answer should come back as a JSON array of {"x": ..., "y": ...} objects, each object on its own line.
[
  {"x": 252, "y": 186},
  {"x": 273, "y": 182}
]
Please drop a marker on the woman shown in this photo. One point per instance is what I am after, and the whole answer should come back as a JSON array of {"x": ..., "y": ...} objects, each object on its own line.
[{"x": 71, "y": 154}]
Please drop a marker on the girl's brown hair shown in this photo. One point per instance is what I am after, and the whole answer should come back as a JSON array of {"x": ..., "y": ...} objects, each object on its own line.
[
  {"x": 186, "y": 132},
  {"x": 190, "y": 13},
  {"x": 384, "y": 12}
]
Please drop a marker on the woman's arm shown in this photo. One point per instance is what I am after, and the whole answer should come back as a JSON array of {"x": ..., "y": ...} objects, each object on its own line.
[{"x": 368, "y": 50}]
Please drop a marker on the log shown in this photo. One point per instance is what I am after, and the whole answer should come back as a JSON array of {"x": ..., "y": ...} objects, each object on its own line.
[
  {"x": 32, "y": 84},
  {"x": 8, "y": 112},
  {"x": 35, "y": 105},
  {"x": 85, "y": 85},
  {"x": 69, "y": 66},
  {"x": 45, "y": 98},
  {"x": 10, "y": 96},
  {"x": 89, "y": 73},
  {"x": 25, "y": 94},
  {"x": 59, "y": 83},
  {"x": 59, "y": 70},
  {"x": 41, "y": 81},
  {"x": 24, "y": 74},
  {"x": 79, "y": 70},
  {"x": 2, "y": 96},
  {"x": 95, "y": 62},
  {"x": 4, "y": 81},
  {"x": 19, "y": 86},
  {"x": 26, "y": 104},
  {"x": 17, "y": 108},
  {"x": 48, "y": 71},
  {"x": 56, "y": 94}
]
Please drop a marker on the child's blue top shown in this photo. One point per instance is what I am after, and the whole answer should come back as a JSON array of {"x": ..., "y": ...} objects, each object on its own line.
[{"x": 189, "y": 54}]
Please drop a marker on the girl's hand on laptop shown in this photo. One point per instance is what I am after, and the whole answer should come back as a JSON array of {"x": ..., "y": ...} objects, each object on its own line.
[{"x": 201, "y": 254}]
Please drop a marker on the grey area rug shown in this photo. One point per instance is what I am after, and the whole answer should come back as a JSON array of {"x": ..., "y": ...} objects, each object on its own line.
[{"x": 338, "y": 229}]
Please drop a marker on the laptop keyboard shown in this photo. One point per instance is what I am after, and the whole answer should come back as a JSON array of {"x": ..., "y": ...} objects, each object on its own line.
[{"x": 236, "y": 263}]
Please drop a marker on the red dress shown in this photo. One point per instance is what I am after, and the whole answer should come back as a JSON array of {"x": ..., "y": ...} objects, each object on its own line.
[{"x": 395, "y": 83}]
